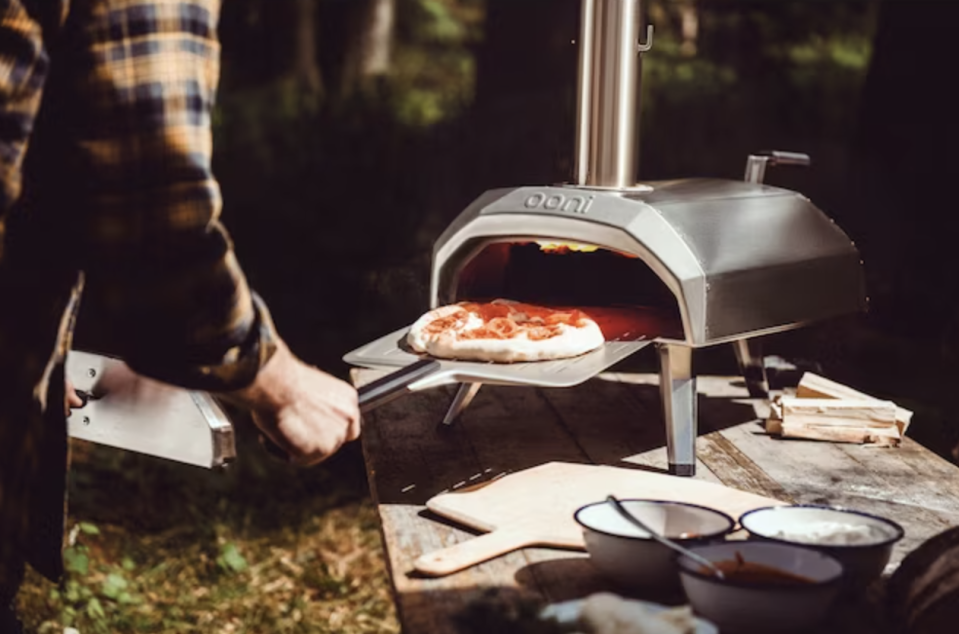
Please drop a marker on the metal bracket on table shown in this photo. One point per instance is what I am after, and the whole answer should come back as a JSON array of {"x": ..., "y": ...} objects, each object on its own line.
[
  {"x": 749, "y": 356},
  {"x": 464, "y": 396},
  {"x": 678, "y": 389}
]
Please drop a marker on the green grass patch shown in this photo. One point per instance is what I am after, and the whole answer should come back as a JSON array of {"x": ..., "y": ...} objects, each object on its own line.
[{"x": 160, "y": 547}]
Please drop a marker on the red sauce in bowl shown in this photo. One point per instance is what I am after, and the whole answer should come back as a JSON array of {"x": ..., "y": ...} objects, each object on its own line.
[{"x": 744, "y": 571}]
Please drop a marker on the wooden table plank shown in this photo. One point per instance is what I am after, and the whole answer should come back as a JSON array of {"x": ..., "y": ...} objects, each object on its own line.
[
  {"x": 735, "y": 469},
  {"x": 613, "y": 426},
  {"x": 615, "y": 419},
  {"x": 814, "y": 472}
]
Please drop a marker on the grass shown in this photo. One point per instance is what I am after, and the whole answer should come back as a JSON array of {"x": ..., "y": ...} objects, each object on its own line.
[{"x": 156, "y": 546}]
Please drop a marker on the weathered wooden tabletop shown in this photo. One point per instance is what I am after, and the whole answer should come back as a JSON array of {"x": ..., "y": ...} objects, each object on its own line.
[{"x": 613, "y": 420}]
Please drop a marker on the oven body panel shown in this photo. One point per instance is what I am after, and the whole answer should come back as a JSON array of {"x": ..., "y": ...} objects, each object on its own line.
[{"x": 771, "y": 258}]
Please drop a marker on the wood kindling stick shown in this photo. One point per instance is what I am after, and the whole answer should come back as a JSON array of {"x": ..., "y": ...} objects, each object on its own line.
[
  {"x": 826, "y": 410},
  {"x": 814, "y": 386}
]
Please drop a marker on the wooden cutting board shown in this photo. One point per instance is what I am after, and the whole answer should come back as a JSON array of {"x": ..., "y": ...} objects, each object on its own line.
[{"x": 535, "y": 507}]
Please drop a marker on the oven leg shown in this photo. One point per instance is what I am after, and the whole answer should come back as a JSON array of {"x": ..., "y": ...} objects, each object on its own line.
[
  {"x": 464, "y": 396},
  {"x": 749, "y": 356},
  {"x": 678, "y": 387}
]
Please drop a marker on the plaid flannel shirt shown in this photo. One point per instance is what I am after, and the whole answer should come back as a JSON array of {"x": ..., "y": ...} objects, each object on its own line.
[{"x": 106, "y": 189}]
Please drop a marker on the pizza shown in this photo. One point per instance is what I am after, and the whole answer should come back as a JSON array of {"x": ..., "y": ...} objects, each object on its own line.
[{"x": 504, "y": 331}]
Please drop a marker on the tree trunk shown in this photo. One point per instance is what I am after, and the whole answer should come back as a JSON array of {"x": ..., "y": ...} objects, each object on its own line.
[
  {"x": 305, "y": 67},
  {"x": 368, "y": 47},
  {"x": 377, "y": 38},
  {"x": 689, "y": 27}
]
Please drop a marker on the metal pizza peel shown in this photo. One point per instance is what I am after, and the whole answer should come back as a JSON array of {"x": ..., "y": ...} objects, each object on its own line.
[{"x": 416, "y": 372}]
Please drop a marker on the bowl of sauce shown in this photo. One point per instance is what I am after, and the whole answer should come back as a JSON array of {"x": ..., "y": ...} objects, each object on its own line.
[
  {"x": 766, "y": 587},
  {"x": 741, "y": 571}
]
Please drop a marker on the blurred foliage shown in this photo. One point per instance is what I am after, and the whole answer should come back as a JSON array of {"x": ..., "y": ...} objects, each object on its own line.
[
  {"x": 434, "y": 70},
  {"x": 431, "y": 76},
  {"x": 763, "y": 72}
]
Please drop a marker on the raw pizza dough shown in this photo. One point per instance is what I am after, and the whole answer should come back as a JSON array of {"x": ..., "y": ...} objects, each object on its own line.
[{"x": 503, "y": 331}]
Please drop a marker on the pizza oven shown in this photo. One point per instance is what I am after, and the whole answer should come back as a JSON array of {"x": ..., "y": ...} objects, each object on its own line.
[
  {"x": 696, "y": 262},
  {"x": 701, "y": 261}
]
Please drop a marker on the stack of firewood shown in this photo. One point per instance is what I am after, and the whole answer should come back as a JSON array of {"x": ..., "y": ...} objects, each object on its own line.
[{"x": 825, "y": 410}]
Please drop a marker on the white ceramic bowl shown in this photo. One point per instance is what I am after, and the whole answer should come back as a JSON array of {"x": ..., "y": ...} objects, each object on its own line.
[
  {"x": 863, "y": 561},
  {"x": 629, "y": 556},
  {"x": 748, "y": 607}
]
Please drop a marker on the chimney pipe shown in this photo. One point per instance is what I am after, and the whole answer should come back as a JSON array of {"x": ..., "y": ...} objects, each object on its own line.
[{"x": 607, "y": 125}]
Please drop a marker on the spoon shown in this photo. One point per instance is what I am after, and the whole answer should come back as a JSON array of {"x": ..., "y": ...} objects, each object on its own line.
[{"x": 664, "y": 540}]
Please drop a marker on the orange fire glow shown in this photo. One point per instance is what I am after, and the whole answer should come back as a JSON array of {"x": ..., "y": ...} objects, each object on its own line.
[
  {"x": 573, "y": 247},
  {"x": 565, "y": 247}
]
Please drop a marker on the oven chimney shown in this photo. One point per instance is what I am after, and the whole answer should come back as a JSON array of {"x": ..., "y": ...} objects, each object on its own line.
[{"x": 607, "y": 121}]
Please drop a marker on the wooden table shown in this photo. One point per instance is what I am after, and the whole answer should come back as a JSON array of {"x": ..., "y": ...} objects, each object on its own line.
[{"x": 613, "y": 420}]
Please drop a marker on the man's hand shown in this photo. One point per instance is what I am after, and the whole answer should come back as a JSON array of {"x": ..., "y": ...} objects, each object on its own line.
[
  {"x": 71, "y": 397},
  {"x": 307, "y": 413}
]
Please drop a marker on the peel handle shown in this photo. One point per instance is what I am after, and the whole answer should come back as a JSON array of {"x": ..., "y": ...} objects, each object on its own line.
[
  {"x": 472, "y": 551},
  {"x": 395, "y": 384}
]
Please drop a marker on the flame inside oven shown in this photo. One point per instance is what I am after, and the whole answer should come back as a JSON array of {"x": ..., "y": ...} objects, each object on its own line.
[
  {"x": 565, "y": 247},
  {"x": 559, "y": 248}
]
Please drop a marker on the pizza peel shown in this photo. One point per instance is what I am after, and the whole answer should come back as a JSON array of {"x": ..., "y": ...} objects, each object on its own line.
[
  {"x": 417, "y": 372},
  {"x": 535, "y": 507}
]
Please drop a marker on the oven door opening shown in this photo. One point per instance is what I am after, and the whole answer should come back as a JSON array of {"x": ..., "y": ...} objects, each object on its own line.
[{"x": 618, "y": 290}]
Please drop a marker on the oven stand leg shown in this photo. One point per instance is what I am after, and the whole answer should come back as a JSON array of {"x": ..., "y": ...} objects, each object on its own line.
[
  {"x": 464, "y": 396},
  {"x": 749, "y": 356},
  {"x": 678, "y": 387}
]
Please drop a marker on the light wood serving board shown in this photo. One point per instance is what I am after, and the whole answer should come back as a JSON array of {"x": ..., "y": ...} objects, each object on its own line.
[{"x": 535, "y": 507}]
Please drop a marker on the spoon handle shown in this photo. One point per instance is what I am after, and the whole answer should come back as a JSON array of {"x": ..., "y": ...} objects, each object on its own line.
[{"x": 662, "y": 540}]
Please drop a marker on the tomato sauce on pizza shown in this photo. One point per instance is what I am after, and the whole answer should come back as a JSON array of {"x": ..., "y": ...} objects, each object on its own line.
[
  {"x": 504, "y": 331},
  {"x": 502, "y": 321}
]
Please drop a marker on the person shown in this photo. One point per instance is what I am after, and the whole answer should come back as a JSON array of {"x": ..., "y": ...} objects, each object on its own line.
[{"x": 107, "y": 193}]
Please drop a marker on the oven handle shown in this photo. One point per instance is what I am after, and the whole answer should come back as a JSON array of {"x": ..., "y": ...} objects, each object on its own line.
[
  {"x": 395, "y": 384},
  {"x": 756, "y": 164}
]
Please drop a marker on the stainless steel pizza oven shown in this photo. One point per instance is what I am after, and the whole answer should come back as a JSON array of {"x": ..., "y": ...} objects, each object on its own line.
[{"x": 716, "y": 261}]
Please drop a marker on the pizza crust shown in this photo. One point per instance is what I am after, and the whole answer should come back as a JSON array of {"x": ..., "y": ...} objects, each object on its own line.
[{"x": 531, "y": 333}]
